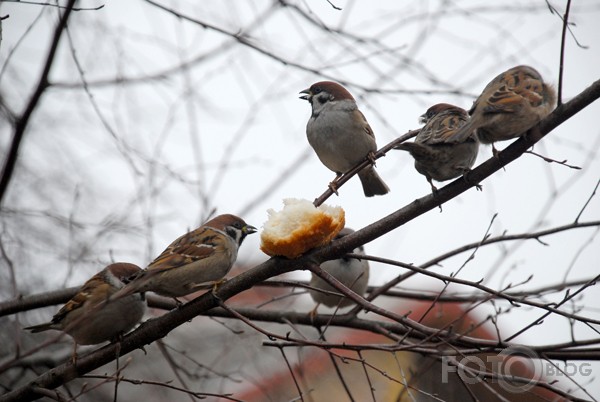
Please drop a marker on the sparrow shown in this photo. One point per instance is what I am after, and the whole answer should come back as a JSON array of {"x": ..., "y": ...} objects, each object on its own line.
[
  {"x": 198, "y": 258},
  {"x": 89, "y": 319},
  {"x": 340, "y": 134},
  {"x": 351, "y": 272},
  {"x": 438, "y": 155},
  {"x": 509, "y": 105}
]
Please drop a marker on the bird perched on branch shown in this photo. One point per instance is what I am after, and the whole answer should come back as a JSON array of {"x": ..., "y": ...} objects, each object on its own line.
[
  {"x": 512, "y": 103},
  {"x": 438, "y": 154},
  {"x": 88, "y": 319},
  {"x": 351, "y": 272},
  {"x": 198, "y": 258},
  {"x": 340, "y": 134}
]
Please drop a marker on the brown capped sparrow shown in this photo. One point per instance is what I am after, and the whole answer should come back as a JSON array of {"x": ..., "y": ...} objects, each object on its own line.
[
  {"x": 438, "y": 155},
  {"x": 509, "y": 105},
  {"x": 340, "y": 134},
  {"x": 89, "y": 322},
  {"x": 352, "y": 273},
  {"x": 198, "y": 258}
]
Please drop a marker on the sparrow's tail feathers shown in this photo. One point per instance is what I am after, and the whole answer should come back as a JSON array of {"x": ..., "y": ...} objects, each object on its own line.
[
  {"x": 371, "y": 182},
  {"x": 418, "y": 151}
]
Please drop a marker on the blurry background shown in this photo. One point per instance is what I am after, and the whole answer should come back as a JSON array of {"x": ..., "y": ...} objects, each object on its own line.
[{"x": 159, "y": 114}]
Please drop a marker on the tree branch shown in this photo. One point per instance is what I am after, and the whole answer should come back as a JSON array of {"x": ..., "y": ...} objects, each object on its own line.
[
  {"x": 154, "y": 329},
  {"x": 22, "y": 122}
]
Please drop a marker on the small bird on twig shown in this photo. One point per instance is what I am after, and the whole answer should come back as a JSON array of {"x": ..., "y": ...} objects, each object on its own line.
[
  {"x": 340, "y": 135},
  {"x": 198, "y": 258},
  {"x": 89, "y": 319},
  {"x": 438, "y": 154},
  {"x": 512, "y": 103}
]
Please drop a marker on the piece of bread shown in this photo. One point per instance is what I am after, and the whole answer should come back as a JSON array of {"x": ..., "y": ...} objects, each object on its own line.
[{"x": 299, "y": 227}]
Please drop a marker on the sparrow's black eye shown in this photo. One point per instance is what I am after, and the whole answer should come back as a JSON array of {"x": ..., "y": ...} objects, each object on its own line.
[
  {"x": 316, "y": 90},
  {"x": 237, "y": 225}
]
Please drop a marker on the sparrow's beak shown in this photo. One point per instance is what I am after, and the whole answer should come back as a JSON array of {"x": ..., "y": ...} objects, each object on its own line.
[
  {"x": 423, "y": 118},
  {"x": 307, "y": 94},
  {"x": 249, "y": 229}
]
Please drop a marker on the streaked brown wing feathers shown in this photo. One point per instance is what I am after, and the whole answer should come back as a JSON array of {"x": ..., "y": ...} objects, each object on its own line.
[
  {"x": 189, "y": 248},
  {"x": 92, "y": 292},
  {"x": 443, "y": 128}
]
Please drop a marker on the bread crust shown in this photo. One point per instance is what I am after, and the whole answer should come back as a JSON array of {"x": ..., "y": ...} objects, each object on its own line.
[{"x": 300, "y": 227}]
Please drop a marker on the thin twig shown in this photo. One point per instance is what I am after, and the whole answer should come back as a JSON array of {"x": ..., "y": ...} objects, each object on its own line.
[
  {"x": 568, "y": 297},
  {"x": 173, "y": 365},
  {"x": 587, "y": 202},
  {"x": 200, "y": 395},
  {"x": 364, "y": 366},
  {"x": 500, "y": 294},
  {"x": 54, "y": 5},
  {"x": 291, "y": 370},
  {"x": 550, "y": 160},
  {"x": 22, "y": 122},
  {"x": 334, "y": 6},
  {"x": 561, "y": 65},
  {"x": 339, "y": 181},
  {"x": 337, "y": 368}
]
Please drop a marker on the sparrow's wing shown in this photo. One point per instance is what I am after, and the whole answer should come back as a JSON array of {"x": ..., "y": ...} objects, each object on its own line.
[
  {"x": 503, "y": 100},
  {"x": 442, "y": 129},
  {"x": 366, "y": 126},
  {"x": 93, "y": 291},
  {"x": 189, "y": 248},
  {"x": 531, "y": 90},
  {"x": 513, "y": 90}
]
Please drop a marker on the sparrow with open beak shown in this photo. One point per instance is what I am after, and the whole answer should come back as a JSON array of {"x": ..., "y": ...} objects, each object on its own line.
[{"x": 340, "y": 134}]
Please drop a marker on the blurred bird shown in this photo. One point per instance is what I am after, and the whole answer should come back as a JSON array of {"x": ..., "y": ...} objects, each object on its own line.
[
  {"x": 340, "y": 134},
  {"x": 438, "y": 155},
  {"x": 509, "y": 105},
  {"x": 351, "y": 272},
  {"x": 88, "y": 320},
  {"x": 198, "y": 258}
]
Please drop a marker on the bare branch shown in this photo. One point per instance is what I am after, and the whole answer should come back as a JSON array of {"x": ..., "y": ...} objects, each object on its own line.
[
  {"x": 550, "y": 160},
  {"x": 22, "y": 121},
  {"x": 55, "y": 5}
]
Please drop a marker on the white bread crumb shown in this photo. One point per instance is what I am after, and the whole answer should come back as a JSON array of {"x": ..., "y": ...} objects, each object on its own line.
[{"x": 299, "y": 227}]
